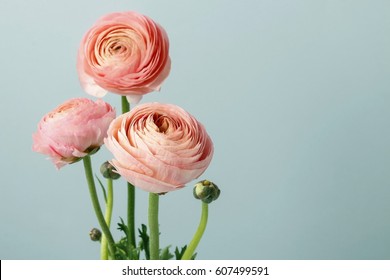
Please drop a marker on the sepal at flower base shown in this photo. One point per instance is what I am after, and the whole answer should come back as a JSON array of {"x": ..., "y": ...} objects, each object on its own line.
[{"x": 88, "y": 152}]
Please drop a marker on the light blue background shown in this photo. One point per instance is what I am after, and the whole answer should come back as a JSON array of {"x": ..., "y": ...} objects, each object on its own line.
[{"x": 295, "y": 95}]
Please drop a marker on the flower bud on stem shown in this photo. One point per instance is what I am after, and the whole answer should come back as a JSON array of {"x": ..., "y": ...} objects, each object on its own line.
[
  {"x": 96, "y": 205},
  {"x": 206, "y": 191},
  {"x": 108, "y": 171}
]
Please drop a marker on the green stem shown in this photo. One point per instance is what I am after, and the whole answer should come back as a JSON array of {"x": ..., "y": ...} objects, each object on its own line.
[
  {"x": 96, "y": 205},
  {"x": 130, "y": 195},
  {"x": 109, "y": 205},
  {"x": 125, "y": 105},
  {"x": 130, "y": 215},
  {"x": 198, "y": 234},
  {"x": 154, "y": 246}
]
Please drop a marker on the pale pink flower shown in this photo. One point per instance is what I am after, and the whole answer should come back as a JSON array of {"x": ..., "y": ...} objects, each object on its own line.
[
  {"x": 125, "y": 53},
  {"x": 159, "y": 147},
  {"x": 72, "y": 130}
]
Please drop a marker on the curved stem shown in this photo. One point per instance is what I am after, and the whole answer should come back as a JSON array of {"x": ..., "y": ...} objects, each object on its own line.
[
  {"x": 109, "y": 205},
  {"x": 154, "y": 246},
  {"x": 130, "y": 195},
  {"x": 96, "y": 205},
  {"x": 198, "y": 234}
]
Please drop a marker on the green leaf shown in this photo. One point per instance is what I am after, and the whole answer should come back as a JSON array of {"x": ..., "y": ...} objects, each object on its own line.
[
  {"x": 123, "y": 227},
  {"x": 123, "y": 251},
  {"x": 103, "y": 189},
  {"x": 194, "y": 256},
  {"x": 165, "y": 254},
  {"x": 144, "y": 243},
  {"x": 179, "y": 254}
]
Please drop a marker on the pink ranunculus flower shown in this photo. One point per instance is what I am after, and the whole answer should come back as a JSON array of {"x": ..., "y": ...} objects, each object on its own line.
[
  {"x": 125, "y": 53},
  {"x": 73, "y": 130},
  {"x": 159, "y": 147}
]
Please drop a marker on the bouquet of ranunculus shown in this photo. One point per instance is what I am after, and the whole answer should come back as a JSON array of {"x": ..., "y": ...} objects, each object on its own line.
[{"x": 156, "y": 147}]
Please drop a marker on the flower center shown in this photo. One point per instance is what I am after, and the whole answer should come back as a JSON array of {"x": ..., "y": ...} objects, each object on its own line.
[
  {"x": 117, "y": 48},
  {"x": 162, "y": 123}
]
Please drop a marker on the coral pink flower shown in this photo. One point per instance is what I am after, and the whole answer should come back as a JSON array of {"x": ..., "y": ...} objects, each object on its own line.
[
  {"x": 159, "y": 147},
  {"x": 72, "y": 130},
  {"x": 125, "y": 53}
]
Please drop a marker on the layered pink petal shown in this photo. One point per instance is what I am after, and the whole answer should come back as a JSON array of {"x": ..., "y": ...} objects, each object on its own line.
[
  {"x": 159, "y": 147},
  {"x": 71, "y": 130},
  {"x": 125, "y": 53}
]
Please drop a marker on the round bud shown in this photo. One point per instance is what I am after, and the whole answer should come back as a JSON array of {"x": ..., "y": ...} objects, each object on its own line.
[
  {"x": 201, "y": 191},
  {"x": 215, "y": 192},
  {"x": 108, "y": 171},
  {"x": 206, "y": 191},
  {"x": 95, "y": 234}
]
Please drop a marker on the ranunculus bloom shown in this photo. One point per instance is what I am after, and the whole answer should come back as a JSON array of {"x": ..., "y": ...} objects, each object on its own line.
[
  {"x": 72, "y": 130},
  {"x": 125, "y": 53},
  {"x": 159, "y": 147}
]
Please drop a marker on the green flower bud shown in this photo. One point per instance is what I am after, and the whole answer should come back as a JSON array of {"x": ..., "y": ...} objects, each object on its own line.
[
  {"x": 201, "y": 191},
  {"x": 108, "y": 171},
  {"x": 95, "y": 234},
  {"x": 216, "y": 192},
  {"x": 206, "y": 191}
]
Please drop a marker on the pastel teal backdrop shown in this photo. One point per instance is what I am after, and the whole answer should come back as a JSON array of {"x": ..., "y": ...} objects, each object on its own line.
[{"x": 295, "y": 95}]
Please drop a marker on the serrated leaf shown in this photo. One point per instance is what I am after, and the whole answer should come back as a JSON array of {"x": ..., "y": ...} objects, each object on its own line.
[
  {"x": 134, "y": 254},
  {"x": 194, "y": 256},
  {"x": 144, "y": 244},
  {"x": 126, "y": 253},
  {"x": 179, "y": 254},
  {"x": 165, "y": 254},
  {"x": 123, "y": 227},
  {"x": 120, "y": 254}
]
